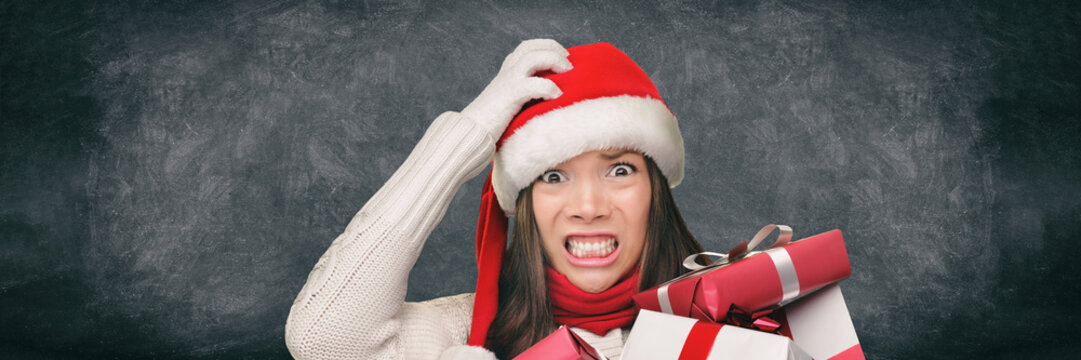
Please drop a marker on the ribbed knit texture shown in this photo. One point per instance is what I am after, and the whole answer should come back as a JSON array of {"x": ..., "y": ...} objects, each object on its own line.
[
  {"x": 353, "y": 303},
  {"x": 597, "y": 312},
  {"x": 611, "y": 344}
]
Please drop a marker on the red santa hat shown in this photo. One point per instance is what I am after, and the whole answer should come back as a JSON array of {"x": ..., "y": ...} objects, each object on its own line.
[{"x": 608, "y": 102}]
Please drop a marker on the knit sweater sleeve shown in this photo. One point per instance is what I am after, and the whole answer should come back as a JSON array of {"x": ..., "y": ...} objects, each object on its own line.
[{"x": 353, "y": 303}]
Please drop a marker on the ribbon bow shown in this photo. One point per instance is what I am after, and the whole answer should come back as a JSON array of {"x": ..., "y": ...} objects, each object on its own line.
[
  {"x": 781, "y": 260},
  {"x": 743, "y": 250},
  {"x": 761, "y": 320}
]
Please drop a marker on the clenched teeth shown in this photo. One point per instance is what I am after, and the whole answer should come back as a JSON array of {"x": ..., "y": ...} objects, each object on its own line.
[{"x": 591, "y": 248}]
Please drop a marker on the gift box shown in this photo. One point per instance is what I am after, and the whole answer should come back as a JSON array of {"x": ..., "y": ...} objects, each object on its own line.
[
  {"x": 658, "y": 336},
  {"x": 819, "y": 323},
  {"x": 749, "y": 281},
  {"x": 563, "y": 344}
]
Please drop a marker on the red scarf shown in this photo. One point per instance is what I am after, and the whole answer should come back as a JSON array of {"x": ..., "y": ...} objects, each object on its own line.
[{"x": 598, "y": 313}]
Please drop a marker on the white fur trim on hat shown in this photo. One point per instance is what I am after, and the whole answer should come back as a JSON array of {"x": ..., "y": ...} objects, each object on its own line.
[{"x": 640, "y": 123}]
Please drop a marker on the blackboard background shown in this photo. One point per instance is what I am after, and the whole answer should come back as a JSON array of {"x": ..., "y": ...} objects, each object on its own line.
[{"x": 170, "y": 172}]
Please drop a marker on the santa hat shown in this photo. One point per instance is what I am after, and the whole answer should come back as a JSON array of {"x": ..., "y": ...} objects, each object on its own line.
[{"x": 608, "y": 102}]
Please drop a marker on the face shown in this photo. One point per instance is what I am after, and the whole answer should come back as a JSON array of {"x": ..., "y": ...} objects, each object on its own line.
[{"x": 591, "y": 212}]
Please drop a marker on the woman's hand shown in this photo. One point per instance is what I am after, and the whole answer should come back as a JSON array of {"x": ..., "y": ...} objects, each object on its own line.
[{"x": 515, "y": 84}]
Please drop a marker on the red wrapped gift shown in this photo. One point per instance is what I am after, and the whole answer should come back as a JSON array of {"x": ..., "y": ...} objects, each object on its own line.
[
  {"x": 819, "y": 323},
  {"x": 563, "y": 344},
  {"x": 752, "y": 280},
  {"x": 657, "y": 336}
]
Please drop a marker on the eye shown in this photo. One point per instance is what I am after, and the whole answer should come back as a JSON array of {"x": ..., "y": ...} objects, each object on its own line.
[
  {"x": 622, "y": 169},
  {"x": 552, "y": 177}
]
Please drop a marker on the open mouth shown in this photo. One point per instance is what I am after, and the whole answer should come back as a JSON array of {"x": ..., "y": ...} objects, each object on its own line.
[{"x": 591, "y": 250}]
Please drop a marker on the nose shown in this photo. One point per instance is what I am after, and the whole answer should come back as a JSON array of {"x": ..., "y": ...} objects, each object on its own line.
[{"x": 589, "y": 201}]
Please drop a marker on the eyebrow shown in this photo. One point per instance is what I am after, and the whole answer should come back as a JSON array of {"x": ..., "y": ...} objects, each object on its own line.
[{"x": 616, "y": 155}]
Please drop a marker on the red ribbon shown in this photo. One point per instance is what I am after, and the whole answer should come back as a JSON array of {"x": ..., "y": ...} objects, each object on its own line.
[
  {"x": 699, "y": 341},
  {"x": 759, "y": 320}
]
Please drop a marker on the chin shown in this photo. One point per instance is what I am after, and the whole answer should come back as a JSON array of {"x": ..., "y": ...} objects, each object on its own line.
[{"x": 593, "y": 281}]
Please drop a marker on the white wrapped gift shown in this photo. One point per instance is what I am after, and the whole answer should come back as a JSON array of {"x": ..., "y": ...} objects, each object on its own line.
[
  {"x": 820, "y": 324},
  {"x": 658, "y": 336}
]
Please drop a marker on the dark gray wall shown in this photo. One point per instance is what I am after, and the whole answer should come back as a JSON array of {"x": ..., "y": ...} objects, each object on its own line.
[{"x": 170, "y": 173}]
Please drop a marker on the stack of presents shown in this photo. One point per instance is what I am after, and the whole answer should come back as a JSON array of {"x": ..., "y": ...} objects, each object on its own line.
[{"x": 778, "y": 303}]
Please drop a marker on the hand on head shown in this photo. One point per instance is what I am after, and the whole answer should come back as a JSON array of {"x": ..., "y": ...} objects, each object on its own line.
[{"x": 516, "y": 84}]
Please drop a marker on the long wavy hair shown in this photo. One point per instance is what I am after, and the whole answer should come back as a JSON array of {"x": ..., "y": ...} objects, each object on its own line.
[{"x": 525, "y": 313}]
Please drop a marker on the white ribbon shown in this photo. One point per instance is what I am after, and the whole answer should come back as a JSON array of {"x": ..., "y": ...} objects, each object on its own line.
[
  {"x": 743, "y": 249},
  {"x": 781, "y": 260},
  {"x": 662, "y": 297},
  {"x": 787, "y": 272},
  {"x": 691, "y": 264}
]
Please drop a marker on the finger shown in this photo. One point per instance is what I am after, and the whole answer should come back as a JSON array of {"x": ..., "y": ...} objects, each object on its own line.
[
  {"x": 538, "y": 88},
  {"x": 540, "y": 44},
  {"x": 536, "y": 61},
  {"x": 529, "y": 46}
]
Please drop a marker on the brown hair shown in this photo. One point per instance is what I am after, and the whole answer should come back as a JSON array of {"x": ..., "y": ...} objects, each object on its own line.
[{"x": 525, "y": 315}]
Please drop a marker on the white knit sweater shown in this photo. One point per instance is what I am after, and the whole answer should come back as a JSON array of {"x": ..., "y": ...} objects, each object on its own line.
[{"x": 353, "y": 304}]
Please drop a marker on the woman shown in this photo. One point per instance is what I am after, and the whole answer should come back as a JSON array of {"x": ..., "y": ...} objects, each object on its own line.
[{"x": 584, "y": 168}]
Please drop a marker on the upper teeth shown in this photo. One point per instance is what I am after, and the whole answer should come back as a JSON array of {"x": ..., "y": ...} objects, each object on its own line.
[{"x": 594, "y": 248}]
